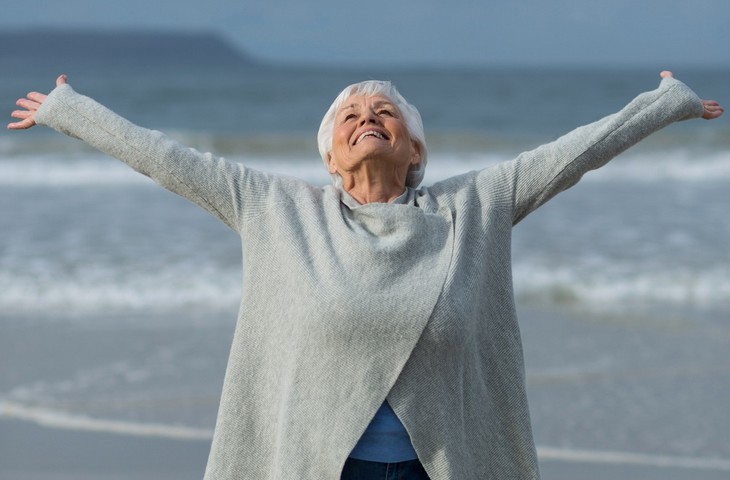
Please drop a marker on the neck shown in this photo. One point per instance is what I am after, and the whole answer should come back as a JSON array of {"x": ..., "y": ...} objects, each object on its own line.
[{"x": 367, "y": 188}]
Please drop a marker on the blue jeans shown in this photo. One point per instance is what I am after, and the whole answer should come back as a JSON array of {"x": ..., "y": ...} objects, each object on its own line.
[{"x": 364, "y": 470}]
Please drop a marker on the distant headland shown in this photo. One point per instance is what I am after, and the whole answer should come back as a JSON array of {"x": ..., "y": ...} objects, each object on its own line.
[{"x": 58, "y": 50}]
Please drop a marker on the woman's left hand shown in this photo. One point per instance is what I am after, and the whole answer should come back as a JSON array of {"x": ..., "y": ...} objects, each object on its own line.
[{"x": 712, "y": 109}]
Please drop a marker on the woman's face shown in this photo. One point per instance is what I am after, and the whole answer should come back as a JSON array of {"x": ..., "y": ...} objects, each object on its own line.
[{"x": 371, "y": 130}]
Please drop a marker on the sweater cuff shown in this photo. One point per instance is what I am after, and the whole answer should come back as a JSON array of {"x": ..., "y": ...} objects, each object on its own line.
[
  {"x": 52, "y": 109},
  {"x": 691, "y": 103}
]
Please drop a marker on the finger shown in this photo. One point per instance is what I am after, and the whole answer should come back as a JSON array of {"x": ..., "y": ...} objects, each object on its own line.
[
  {"x": 711, "y": 105},
  {"x": 28, "y": 104},
  {"x": 22, "y": 114},
  {"x": 37, "y": 97},
  {"x": 62, "y": 80},
  {"x": 712, "y": 108},
  {"x": 23, "y": 125},
  {"x": 666, "y": 74}
]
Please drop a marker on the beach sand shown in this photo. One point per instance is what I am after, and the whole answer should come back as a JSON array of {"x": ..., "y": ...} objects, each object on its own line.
[
  {"x": 611, "y": 398},
  {"x": 32, "y": 452}
]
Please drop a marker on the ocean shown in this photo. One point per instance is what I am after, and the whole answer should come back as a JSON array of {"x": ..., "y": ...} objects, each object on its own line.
[{"x": 118, "y": 299}]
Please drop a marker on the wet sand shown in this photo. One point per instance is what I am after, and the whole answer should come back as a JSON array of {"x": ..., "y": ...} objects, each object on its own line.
[{"x": 33, "y": 452}]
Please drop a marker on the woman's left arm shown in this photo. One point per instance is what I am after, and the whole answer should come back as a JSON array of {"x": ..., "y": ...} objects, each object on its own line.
[{"x": 536, "y": 176}]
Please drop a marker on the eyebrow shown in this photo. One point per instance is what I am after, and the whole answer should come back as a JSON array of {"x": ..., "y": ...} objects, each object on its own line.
[{"x": 377, "y": 103}]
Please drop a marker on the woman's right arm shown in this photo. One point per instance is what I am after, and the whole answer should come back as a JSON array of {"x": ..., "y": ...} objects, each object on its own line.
[{"x": 215, "y": 184}]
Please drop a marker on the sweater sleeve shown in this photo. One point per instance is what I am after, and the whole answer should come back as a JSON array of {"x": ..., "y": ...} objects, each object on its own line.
[
  {"x": 534, "y": 177},
  {"x": 221, "y": 187}
]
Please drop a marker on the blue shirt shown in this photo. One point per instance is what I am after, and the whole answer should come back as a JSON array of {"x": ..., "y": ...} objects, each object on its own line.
[{"x": 385, "y": 440}]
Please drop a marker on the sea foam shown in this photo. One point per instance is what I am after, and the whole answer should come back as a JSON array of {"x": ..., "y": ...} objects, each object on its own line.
[
  {"x": 88, "y": 168},
  {"x": 58, "y": 419}
]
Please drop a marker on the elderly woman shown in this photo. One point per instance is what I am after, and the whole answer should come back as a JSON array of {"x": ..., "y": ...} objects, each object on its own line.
[{"x": 377, "y": 335}]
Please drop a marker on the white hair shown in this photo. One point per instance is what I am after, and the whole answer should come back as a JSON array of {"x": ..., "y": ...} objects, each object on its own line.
[{"x": 410, "y": 114}]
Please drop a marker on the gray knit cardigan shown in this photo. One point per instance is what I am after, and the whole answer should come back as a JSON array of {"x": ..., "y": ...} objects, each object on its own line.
[{"x": 345, "y": 305}]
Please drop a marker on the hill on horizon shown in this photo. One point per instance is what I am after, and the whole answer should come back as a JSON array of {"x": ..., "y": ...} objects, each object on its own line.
[{"x": 57, "y": 50}]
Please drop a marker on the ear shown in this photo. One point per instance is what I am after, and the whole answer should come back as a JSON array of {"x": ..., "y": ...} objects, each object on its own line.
[
  {"x": 331, "y": 166},
  {"x": 415, "y": 152}
]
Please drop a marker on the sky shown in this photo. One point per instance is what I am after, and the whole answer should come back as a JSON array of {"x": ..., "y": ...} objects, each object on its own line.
[{"x": 652, "y": 33}]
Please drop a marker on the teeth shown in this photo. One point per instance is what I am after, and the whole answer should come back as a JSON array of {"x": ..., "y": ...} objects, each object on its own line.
[{"x": 373, "y": 133}]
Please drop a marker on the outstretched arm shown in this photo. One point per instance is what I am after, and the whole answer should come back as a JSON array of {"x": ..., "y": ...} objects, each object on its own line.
[
  {"x": 536, "y": 176},
  {"x": 228, "y": 190}
]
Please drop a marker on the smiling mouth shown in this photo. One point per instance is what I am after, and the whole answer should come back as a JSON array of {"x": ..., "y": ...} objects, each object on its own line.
[{"x": 370, "y": 133}]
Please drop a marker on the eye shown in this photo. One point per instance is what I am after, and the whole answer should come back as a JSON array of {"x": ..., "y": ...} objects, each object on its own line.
[
  {"x": 348, "y": 117},
  {"x": 385, "y": 111}
]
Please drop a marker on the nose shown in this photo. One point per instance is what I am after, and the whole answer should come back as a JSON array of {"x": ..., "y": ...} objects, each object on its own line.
[{"x": 369, "y": 116}]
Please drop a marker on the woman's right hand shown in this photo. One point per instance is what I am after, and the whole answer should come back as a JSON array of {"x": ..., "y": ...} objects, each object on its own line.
[{"x": 31, "y": 104}]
